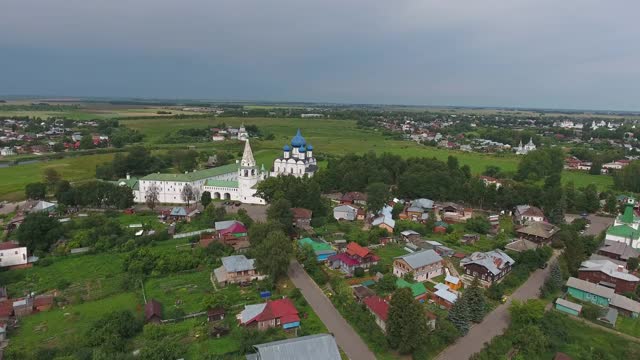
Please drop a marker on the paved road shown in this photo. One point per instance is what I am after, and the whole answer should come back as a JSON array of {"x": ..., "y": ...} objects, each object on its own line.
[
  {"x": 346, "y": 337},
  {"x": 598, "y": 223},
  {"x": 496, "y": 322}
]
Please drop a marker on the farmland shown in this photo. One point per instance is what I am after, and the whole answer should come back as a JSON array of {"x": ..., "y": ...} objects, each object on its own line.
[{"x": 336, "y": 137}]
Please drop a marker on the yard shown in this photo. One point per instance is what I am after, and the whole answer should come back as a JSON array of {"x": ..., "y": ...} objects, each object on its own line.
[
  {"x": 628, "y": 326},
  {"x": 388, "y": 252}
]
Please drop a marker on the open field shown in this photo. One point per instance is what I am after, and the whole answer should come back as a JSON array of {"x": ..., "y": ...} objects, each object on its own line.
[
  {"x": 66, "y": 327},
  {"x": 14, "y": 178}
]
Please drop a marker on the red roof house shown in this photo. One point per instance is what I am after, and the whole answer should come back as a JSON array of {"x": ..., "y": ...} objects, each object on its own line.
[
  {"x": 380, "y": 310},
  {"x": 353, "y": 257},
  {"x": 275, "y": 313}
]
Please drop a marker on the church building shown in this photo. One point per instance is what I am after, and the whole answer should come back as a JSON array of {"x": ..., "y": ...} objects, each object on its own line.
[
  {"x": 523, "y": 150},
  {"x": 235, "y": 182},
  {"x": 296, "y": 160}
]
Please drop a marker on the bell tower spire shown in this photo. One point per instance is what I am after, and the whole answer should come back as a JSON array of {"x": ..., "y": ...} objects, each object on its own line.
[{"x": 247, "y": 156}]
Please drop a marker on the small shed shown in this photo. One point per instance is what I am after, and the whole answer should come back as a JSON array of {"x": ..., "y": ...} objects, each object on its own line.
[
  {"x": 215, "y": 314},
  {"x": 153, "y": 312},
  {"x": 568, "y": 307},
  {"x": 361, "y": 292}
]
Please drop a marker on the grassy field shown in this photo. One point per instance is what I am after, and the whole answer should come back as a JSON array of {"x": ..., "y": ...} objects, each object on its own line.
[
  {"x": 14, "y": 178},
  {"x": 66, "y": 327},
  {"x": 337, "y": 137},
  {"x": 103, "y": 279}
]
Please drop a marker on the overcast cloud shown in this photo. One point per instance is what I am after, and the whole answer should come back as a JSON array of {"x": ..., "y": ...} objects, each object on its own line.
[{"x": 533, "y": 53}]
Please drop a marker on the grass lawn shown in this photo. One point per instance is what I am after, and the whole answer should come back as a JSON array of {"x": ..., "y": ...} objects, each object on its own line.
[
  {"x": 184, "y": 292},
  {"x": 66, "y": 327},
  {"x": 14, "y": 178},
  {"x": 387, "y": 253},
  {"x": 89, "y": 276},
  {"x": 628, "y": 326}
]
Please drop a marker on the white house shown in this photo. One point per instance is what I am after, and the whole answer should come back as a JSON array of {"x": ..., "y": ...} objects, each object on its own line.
[
  {"x": 12, "y": 254},
  {"x": 345, "y": 212},
  {"x": 527, "y": 213},
  {"x": 424, "y": 265}
]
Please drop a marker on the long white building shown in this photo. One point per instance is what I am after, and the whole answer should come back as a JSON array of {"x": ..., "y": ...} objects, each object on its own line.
[{"x": 229, "y": 182}]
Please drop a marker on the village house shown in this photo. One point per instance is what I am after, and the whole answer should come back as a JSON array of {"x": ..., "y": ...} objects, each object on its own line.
[
  {"x": 488, "y": 180},
  {"x": 345, "y": 212},
  {"x": 602, "y": 296},
  {"x": 301, "y": 218},
  {"x": 418, "y": 290},
  {"x": 443, "y": 296},
  {"x": 618, "y": 251},
  {"x": 568, "y": 307},
  {"x": 277, "y": 313},
  {"x": 454, "y": 283},
  {"x": 384, "y": 222},
  {"x": 538, "y": 232},
  {"x": 321, "y": 249},
  {"x": 608, "y": 274},
  {"x": 410, "y": 235},
  {"x": 454, "y": 213},
  {"x": 353, "y": 257},
  {"x": 380, "y": 310},
  {"x": 236, "y": 269},
  {"x": 424, "y": 265},
  {"x": 153, "y": 312},
  {"x": 311, "y": 347},
  {"x": 13, "y": 255},
  {"x": 525, "y": 214},
  {"x": 232, "y": 233},
  {"x": 354, "y": 198},
  {"x": 489, "y": 267},
  {"x": 417, "y": 210}
]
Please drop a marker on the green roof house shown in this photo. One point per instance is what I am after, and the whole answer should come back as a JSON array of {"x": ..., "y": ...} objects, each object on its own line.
[
  {"x": 626, "y": 227},
  {"x": 418, "y": 290},
  {"x": 322, "y": 249}
]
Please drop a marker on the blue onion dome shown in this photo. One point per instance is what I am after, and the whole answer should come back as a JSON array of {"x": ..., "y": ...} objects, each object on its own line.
[
  {"x": 302, "y": 149},
  {"x": 309, "y": 147},
  {"x": 298, "y": 140},
  {"x": 286, "y": 148}
]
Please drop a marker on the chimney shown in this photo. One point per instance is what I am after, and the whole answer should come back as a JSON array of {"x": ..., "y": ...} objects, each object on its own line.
[
  {"x": 621, "y": 268},
  {"x": 128, "y": 176}
]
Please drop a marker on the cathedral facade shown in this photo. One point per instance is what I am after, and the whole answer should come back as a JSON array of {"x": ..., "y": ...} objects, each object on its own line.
[{"x": 296, "y": 160}]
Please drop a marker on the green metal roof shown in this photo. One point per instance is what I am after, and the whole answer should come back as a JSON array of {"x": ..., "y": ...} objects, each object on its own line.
[
  {"x": 417, "y": 289},
  {"x": 628, "y": 216},
  {"x": 131, "y": 182},
  {"x": 195, "y": 175},
  {"x": 625, "y": 231},
  {"x": 222, "y": 183},
  {"x": 315, "y": 245}
]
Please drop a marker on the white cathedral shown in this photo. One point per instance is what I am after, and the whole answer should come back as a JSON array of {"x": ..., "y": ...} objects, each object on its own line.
[
  {"x": 296, "y": 160},
  {"x": 236, "y": 182},
  {"x": 524, "y": 150}
]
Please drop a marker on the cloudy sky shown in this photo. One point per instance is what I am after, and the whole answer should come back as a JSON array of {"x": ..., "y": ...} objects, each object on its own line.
[{"x": 530, "y": 53}]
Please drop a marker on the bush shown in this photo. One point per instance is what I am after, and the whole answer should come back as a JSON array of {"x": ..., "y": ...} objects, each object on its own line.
[
  {"x": 44, "y": 262},
  {"x": 358, "y": 272},
  {"x": 591, "y": 312}
]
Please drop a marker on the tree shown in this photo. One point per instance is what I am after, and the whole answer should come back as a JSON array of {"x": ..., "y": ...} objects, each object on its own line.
[
  {"x": 632, "y": 264},
  {"x": 459, "y": 315},
  {"x": 39, "y": 231},
  {"x": 377, "y": 196},
  {"x": 526, "y": 313},
  {"x": 187, "y": 194},
  {"x": 151, "y": 197},
  {"x": 611, "y": 205},
  {"x": 36, "y": 191},
  {"x": 475, "y": 300},
  {"x": 205, "y": 200},
  {"x": 492, "y": 170},
  {"x": 185, "y": 160},
  {"x": 86, "y": 142},
  {"x": 591, "y": 199},
  {"x": 50, "y": 178},
  {"x": 406, "y": 325},
  {"x": 273, "y": 254},
  {"x": 280, "y": 211},
  {"x": 479, "y": 224}
]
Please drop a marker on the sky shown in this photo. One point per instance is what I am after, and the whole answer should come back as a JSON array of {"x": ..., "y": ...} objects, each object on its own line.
[{"x": 569, "y": 54}]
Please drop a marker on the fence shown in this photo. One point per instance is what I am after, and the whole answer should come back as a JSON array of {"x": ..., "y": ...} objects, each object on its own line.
[{"x": 193, "y": 233}]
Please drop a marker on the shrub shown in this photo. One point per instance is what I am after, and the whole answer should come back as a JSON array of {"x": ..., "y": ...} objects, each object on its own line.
[{"x": 358, "y": 272}]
